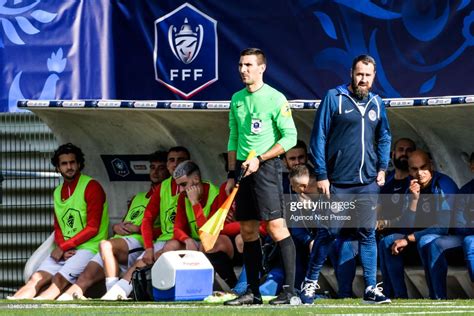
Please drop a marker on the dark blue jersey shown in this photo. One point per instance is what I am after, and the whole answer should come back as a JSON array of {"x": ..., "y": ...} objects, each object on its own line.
[
  {"x": 391, "y": 197},
  {"x": 435, "y": 207}
]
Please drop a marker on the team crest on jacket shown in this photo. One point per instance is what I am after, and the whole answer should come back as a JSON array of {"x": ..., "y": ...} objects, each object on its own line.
[
  {"x": 426, "y": 207},
  {"x": 395, "y": 198},
  {"x": 185, "y": 54},
  {"x": 372, "y": 115}
]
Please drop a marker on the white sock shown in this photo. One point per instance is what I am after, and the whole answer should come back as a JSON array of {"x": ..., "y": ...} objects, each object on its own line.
[
  {"x": 370, "y": 287},
  {"x": 126, "y": 286},
  {"x": 109, "y": 282}
]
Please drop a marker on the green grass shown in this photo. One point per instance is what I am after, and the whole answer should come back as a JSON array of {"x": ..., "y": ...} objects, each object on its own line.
[{"x": 347, "y": 306}]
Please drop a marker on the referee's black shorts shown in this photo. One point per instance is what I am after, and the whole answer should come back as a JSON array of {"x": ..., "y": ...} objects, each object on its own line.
[{"x": 260, "y": 196}]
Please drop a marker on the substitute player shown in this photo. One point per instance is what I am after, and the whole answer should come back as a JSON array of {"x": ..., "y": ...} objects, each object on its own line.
[
  {"x": 80, "y": 222},
  {"x": 198, "y": 201},
  {"x": 157, "y": 226},
  {"x": 123, "y": 249}
]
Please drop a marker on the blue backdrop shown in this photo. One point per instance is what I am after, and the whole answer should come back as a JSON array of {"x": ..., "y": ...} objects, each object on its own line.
[{"x": 172, "y": 49}]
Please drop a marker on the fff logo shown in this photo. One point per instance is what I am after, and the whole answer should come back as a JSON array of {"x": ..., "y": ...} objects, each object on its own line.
[{"x": 185, "y": 54}]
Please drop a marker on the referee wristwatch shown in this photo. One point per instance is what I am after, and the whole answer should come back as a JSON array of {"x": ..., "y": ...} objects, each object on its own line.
[
  {"x": 260, "y": 160},
  {"x": 406, "y": 238}
]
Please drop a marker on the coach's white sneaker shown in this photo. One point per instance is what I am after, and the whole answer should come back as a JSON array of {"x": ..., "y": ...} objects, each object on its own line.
[
  {"x": 116, "y": 293},
  {"x": 65, "y": 297},
  {"x": 374, "y": 295}
]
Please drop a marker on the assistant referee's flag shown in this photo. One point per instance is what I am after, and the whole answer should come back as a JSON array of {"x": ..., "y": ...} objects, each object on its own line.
[{"x": 209, "y": 232}]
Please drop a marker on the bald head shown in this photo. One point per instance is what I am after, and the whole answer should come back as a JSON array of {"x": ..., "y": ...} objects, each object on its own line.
[
  {"x": 420, "y": 167},
  {"x": 420, "y": 154}
]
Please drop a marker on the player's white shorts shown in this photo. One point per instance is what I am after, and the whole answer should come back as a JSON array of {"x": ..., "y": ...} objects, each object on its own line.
[
  {"x": 157, "y": 246},
  {"x": 135, "y": 249},
  {"x": 69, "y": 269}
]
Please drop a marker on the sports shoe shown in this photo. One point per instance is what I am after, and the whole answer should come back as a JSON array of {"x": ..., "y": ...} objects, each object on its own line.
[
  {"x": 286, "y": 296},
  {"x": 374, "y": 295},
  {"x": 248, "y": 298},
  {"x": 308, "y": 291},
  {"x": 13, "y": 298},
  {"x": 116, "y": 293},
  {"x": 78, "y": 297}
]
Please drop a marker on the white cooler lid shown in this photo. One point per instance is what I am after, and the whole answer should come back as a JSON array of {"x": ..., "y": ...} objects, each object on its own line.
[{"x": 163, "y": 273}]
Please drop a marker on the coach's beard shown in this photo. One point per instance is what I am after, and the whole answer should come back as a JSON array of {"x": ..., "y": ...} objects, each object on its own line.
[{"x": 360, "y": 92}]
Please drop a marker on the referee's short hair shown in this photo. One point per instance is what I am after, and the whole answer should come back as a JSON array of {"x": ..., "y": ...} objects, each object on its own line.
[
  {"x": 186, "y": 168},
  {"x": 257, "y": 52}
]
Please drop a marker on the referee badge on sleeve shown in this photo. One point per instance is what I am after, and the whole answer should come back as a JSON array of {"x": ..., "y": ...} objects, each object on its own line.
[
  {"x": 256, "y": 126},
  {"x": 285, "y": 110}
]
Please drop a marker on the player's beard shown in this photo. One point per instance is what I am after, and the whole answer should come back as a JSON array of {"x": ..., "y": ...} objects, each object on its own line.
[
  {"x": 360, "y": 92},
  {"x": 401, "y": 164}
]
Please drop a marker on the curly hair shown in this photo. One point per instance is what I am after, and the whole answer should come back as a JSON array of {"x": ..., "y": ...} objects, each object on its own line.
[{"x": 68, "y": 148}]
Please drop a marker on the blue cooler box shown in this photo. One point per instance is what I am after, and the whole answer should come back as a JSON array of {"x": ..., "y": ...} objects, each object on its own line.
[{"x": 182, "y": 276}]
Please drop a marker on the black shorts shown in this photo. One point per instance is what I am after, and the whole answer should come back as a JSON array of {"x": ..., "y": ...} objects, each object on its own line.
[{"x": 260, "y": 196}]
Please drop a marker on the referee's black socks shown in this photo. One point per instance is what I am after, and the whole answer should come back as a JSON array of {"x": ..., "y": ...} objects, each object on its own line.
[
  {"x": 288, "y": 257},
  {"x": 253, "y": 264}
]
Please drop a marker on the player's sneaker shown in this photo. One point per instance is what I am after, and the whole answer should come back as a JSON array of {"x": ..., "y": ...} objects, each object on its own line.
[
  {"x": 374, "y": 295},
  {"x": 248, "y": 298},
  {"x": 308, "y": 291},
  {"x": 287, "y": 296},
  {"x": 13, "y": 298},
  {"x": 116, "y": 293},
  {"x": 78, "y": 297}
]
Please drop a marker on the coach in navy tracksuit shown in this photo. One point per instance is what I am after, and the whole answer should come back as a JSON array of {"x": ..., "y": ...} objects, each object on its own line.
[
  {"x": 350, "y": 148},
  {"x": 429, "y": 205}
]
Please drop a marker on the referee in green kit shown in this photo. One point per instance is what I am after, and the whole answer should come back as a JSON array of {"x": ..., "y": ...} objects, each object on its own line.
[{"x": 260, "y": 119}]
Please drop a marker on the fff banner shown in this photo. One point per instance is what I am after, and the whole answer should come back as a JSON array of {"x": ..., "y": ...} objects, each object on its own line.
[{"x": 175, "y": 50}]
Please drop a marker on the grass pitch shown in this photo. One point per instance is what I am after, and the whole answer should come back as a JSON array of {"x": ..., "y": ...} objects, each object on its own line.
[{"x": 345, "y": 307}]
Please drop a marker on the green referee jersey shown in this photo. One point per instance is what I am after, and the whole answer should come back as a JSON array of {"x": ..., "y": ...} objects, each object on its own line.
[{"x": 258, "y": 120}]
